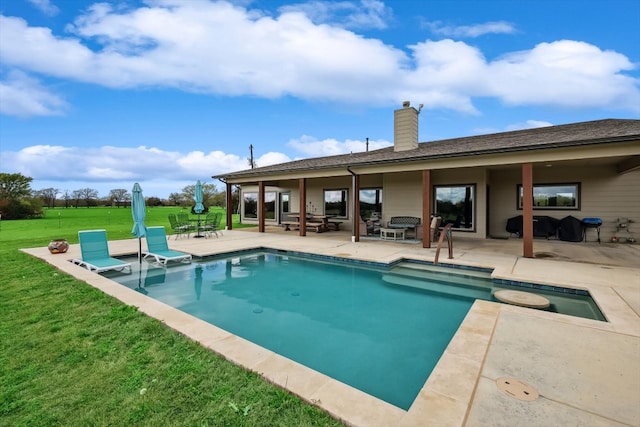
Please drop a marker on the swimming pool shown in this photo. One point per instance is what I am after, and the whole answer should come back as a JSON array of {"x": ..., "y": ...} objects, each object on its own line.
[{"x": 378, "y": 329}]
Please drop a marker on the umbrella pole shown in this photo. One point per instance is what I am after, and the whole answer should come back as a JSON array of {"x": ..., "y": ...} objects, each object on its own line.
[{"x": 140, "y": 250}]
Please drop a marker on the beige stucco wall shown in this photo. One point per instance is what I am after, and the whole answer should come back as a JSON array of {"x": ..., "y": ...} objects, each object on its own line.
[
  {"x": 604, "y": 194},
  {"x": 401, "y": 195}
]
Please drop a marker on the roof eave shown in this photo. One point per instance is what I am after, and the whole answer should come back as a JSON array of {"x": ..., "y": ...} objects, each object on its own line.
[{"x": 427, "y": 157}]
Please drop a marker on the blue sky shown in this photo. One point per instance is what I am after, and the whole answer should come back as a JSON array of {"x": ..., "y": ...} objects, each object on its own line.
[{"x": 166, "y": 92}]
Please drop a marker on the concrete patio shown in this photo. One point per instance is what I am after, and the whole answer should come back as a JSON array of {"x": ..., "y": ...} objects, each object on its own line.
[{"x": 585, "y": 372}]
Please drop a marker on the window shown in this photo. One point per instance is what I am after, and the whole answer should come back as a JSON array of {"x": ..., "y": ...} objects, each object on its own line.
[
  {"x": 370, "y": 202},
  {"x": 250, "y": 205},
  {"x": 335, "y": 203},
  {"x": 553, "y": 196},
  {"x": 455, "y": 204}
]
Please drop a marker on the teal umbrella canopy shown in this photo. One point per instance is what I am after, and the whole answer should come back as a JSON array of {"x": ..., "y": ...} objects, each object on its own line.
[
  {"x": 199, "y": 208},
  {"x": 138, "y": 212}
]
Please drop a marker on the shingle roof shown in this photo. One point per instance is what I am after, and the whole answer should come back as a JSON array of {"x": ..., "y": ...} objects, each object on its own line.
[{"x": 575, "y": 134}]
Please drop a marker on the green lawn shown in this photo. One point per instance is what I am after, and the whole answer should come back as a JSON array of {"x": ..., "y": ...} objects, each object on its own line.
[{"x": 72, "y": 355}]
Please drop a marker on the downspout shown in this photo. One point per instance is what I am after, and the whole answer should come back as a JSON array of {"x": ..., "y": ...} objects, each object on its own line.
[{"x": 356, "y": 207}]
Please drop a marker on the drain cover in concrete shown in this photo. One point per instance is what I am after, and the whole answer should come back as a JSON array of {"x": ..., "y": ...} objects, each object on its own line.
[
  {"x": 517, "y": 389},
  {"x": 524, "y": 299}
]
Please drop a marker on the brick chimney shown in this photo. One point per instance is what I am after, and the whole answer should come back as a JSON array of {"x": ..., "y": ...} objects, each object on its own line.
[{"x": 405, "y": 128}]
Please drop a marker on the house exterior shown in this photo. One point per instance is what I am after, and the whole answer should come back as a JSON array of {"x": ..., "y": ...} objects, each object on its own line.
[{"x": 589, "y": 169}]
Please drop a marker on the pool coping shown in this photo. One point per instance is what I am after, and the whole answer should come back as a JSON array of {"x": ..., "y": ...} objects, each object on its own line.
[{"x": 448, "y": 394}]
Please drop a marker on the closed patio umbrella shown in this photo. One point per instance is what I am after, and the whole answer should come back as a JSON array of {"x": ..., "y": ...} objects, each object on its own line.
[
  {"x": 199, "y": 207},
  {"x": 138, "y": 212}
]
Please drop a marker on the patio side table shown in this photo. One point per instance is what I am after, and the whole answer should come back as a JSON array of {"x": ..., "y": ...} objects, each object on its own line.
[{"x": 392, "y": 233}]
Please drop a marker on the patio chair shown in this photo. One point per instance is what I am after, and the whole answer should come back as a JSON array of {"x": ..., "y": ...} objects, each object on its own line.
[
  {"x": 183, "y": 221},
  {"x": 177, "y": 228},
  {"x": 95, "y": 253},
  {"x": 158, "y": 248},
  {"x": 212, "y": 224},
  {"x": 369, "y": 228}
]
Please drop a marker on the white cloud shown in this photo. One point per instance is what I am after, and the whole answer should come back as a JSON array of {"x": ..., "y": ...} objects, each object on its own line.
[
  {"x": 270, "y": 158},
  {"x": 348, "y": 14},
  {"x": 181, "y": 47},
  {"x": 565, "y": 73},
  {"x": 455, "y": 70},
  {"x": 23, "y": 96},
  {"x": 108, "y": 163},
  {"x": 198, "y": 163},
  {"x": 472, "y": 31},
  {"x": 45, "y": 6},
  {"x": 221, "y": 49},
  {"x": 87, "y": 167},
  {"x": 313, "y": 147}
]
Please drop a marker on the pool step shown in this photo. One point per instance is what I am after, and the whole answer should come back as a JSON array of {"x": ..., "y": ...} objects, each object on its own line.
[
  {"x": 444, "y": 274},
  {"x": 439, "y": 287},
  {"x": 476, "y": 285},
  {"x": 445, "y": 270}
]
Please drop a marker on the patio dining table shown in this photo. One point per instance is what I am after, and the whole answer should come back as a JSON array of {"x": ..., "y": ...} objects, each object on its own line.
[{"x": 320, "y": 222}]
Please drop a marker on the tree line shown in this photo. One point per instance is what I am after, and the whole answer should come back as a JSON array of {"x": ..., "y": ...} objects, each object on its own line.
[{"x": 19, "y": 201}]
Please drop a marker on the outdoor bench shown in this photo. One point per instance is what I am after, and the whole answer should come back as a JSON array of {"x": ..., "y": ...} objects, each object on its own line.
[
  {"x": 320, "y": 226},
  {"x": 409, "y": 222}
]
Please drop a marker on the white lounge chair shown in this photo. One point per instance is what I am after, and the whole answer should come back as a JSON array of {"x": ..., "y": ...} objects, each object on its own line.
[
  {"x": 158, "y": 248},
  {"x": 95, "y": 252}
]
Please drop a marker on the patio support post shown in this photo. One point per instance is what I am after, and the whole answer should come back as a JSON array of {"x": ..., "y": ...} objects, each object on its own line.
[
  {"x": 302, "y": 189},
  {"x": 426, "y": 208},
  {"x": 356, "y": 207},
  {"x": 229, "y": 219},
  {"x": 527, "y": 210},
  {"x": 261, "y": 206}
]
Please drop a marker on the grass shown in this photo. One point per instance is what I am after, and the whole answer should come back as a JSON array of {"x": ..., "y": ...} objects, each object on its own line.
[{"x": 75, "y": 356}]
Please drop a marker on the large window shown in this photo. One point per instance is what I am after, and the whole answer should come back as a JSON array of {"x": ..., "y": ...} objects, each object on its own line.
[
  {"x": 251, "y": 205},
  {"x": 553, "y": 196},
  {"x": 335, "y": 203},
  {"x": 370, "y": 202},
  {"x": 456, "y": 205}
]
